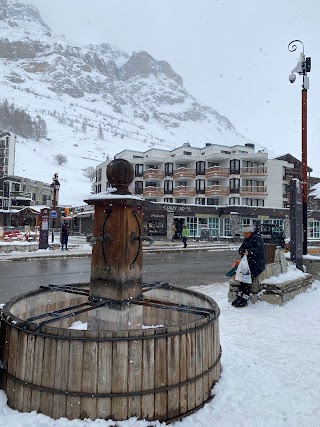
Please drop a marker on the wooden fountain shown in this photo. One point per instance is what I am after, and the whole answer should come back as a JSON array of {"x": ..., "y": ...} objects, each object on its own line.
[{"x": 150, "y": 350}]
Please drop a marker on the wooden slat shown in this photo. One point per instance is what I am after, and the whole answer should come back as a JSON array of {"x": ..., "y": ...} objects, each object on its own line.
[
  {"x": 135, "y": 374},
  {"x": 75, "y": 374},
  {"x": 104, "y": 367},
  {"x": 183, "y": 372},
  {"x": 199, "y": 365},
  {"x": 28, "y": 372},
  {"x": 12, "y": 363},
  {"x": 120, "y": 377},
  {"x": 191, "y": 366},
  {"x": 37, "y": 371},
  {"x": 61, "y": 373},
  {"x": 48, "y": 373},
  {"x": 205, "y": 363},
  {"x": 161, "y": 376},
  {"x": 173, "y": 356},
  {"x": 21, "y": 356},
  {"x": 89, "y": 376},
  {"x": 147, "y": 401}
]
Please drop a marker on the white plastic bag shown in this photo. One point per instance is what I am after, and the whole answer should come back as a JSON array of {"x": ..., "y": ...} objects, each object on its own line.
[{"x": 243, "y": 273}]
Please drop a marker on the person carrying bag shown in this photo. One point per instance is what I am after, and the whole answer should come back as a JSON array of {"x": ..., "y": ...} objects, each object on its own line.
[{"x": 253, "y": 264}]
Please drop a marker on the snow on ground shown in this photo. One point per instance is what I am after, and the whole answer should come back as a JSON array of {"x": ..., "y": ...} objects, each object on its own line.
[{"x": 270, "y": 369}]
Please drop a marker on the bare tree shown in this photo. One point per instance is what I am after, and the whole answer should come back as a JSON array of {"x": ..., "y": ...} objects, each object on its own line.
[
  {"x": 60, "y": 158},
  {"x": 90, "y": 173},
  {"x": 93, "y": 188}
]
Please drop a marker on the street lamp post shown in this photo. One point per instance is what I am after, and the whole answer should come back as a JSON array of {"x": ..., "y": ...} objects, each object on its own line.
[
  {"x": 55, "y": 186},
  {"x": 302, "y": 68}
]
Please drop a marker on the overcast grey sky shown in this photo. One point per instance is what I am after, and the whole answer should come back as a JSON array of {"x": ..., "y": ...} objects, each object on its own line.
[{"x": 231, "y": 54}]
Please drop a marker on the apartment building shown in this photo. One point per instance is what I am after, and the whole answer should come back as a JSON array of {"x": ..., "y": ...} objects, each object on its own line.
[
  {"x": 7, "y": 153},
  {"x": 215, "y": 175}
]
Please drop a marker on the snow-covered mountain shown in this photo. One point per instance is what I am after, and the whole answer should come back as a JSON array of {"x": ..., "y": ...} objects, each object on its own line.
[{"x": 96, "y": 101}]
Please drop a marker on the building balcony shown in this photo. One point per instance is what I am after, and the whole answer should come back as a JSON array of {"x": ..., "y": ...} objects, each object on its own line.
[
  {"x": 217, "y": 190},
  {"x": 253, "y": 191},
  {"x": 153, "y": 173},
  {"x": 184, "y": 191},
  {"x": 217, "y": 171},
  {"x": 184, "y": 173},
  {"x": 254, "y": 171},
  {"x": 153, "y": 192}
]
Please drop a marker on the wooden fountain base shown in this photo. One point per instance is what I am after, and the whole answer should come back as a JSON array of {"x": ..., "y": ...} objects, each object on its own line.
[{"x": 162, "y": 370}]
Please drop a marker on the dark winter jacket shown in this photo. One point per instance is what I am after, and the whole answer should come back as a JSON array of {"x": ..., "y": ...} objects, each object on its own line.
[{"x": 255, "y": 247}]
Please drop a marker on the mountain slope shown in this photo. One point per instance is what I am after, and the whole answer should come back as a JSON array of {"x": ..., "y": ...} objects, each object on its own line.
[{"x": 96, "y": 101}]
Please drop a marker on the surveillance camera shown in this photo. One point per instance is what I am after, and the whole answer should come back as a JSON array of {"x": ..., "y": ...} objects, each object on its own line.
[{"x": 292, "y": 78}]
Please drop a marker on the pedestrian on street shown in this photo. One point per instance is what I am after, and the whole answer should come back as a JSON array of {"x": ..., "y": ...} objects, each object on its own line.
[
  {"x": 185, "y": 234},
  {"x": 64, "y": 236},
  {"x": 253, "y": 248}
]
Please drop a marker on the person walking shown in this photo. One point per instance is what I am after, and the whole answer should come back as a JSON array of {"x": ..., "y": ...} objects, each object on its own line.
[
  {"x": 253, "y": 248},
  {"x": 185, "y": 234},
  {"x": 64, "y": 236}
]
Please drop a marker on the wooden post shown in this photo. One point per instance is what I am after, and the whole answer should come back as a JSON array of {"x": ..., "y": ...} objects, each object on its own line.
[{"x": 116, "y": 265}]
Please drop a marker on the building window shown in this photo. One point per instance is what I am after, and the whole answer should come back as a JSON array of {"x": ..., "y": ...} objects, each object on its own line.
[
  {"x": 235, "y": 167},
  {"x": 200, "y": 186},
  {"x": 182, "y": 201},
  {"x": 99, "y": 174},
  {"x": 200, "y": 201},
  {"x": 234, "y": 201},
  {"x": 235, "y": 185},
  {"x": 98, "y": 187},
  {"x": 168, "y": 200},
  {"x": 168, "y": 169},
  {"x": 314, "y": 229},
  {"x": 138, "y": 170},
  {"x": 200, "y": 168},
  {"x": 138, "y": 187},
  {"x": 168, "y": 187},
  {"x": 226, "y": 229},
  {"x": 213, "y": 202},
  {"x": 253, "y": 202}
]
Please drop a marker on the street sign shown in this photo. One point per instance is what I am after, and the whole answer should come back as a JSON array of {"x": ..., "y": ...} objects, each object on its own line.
[{"x": 54, "y": 214}]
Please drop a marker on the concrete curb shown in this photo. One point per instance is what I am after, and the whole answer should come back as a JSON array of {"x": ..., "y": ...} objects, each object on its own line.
[{"x": 56, "y": 254}]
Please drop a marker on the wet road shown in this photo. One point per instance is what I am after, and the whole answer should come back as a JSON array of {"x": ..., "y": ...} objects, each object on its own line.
[{"x": 178, "y": 268}]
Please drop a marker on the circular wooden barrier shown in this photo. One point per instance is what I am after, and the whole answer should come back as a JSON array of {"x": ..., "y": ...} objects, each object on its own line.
[{"x": 163, "y": 371}]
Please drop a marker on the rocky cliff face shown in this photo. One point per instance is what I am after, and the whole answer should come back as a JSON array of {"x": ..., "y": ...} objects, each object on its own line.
[{"x": 142, "y": 95}]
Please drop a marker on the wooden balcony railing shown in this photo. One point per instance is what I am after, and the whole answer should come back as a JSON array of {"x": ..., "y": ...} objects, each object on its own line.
[
  {"x": 153, "y": 173},
  {"x": 184, "y": 191},
  {"x": 184, "y": 173},
  {"x": 217, "y": 171},
  {"x": 254, "y": 171},
  {"x": 253, "y": 190},
  {"x": 217, "y": 190},
  {"x": 153, "y": 191}
]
